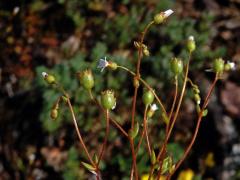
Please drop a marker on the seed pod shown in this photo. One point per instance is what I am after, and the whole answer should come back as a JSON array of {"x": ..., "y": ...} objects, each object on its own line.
[
  {"x": 176, "y": 66},
  {"x": 159, "y": 18},
  {"x": 108, "y": 100},
  {"x": 218, "y": 65},
  {"x": 148, "y": 97},
  {"x": 86, "y": 79}
]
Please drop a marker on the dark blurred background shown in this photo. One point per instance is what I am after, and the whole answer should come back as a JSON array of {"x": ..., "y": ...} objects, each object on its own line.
[{"x": 63, "y": 37}]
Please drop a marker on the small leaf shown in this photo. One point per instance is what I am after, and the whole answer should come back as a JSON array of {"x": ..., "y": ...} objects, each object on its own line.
[
  {"x": 133, "y": 132},
  {"x": 205, "y": 112},
  {"x": 88, "y": 166},
  {"x": 167, "y": 164},
  {"x": 95, "y": 158},
  {"x": 65, "y": 99},
  {"x": 153, "y": 157},
  {"x": 165, "y": 118}
]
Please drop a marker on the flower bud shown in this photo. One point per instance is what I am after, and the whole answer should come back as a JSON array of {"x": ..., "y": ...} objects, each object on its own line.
[
  {"x": 146, "y": 52},
  {"x": 136, "y": 44},
  {"x": 160, "y": 17},
  {"x": 108, "y": 100},
  {"x": 86, "y": 79},
  {"x": 152, "y": 110},
  {"x": 54, "y": 114},
  {"x": 218, "y": 65},
  {"x": 148, "y": 97},
  {"x": 229, "y": 66},
  {"x": 50, "y": 79},
  {"x": 176, "y": 66},
  {"x": 197, "y": 98},
  {"x": 191, "y": 46},
  {"x": 136, "y": 82}
]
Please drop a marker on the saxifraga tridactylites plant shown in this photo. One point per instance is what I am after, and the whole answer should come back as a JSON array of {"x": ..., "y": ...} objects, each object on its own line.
[{"x": 161, "y": 163}]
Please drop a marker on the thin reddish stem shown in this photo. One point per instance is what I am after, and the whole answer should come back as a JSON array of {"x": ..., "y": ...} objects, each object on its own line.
[
  {"x": 105, "y": 138},
  {"x": 78, "y": 132},
  {"x": 197, "y": 127},
  {"x": 163, "y": 149}
]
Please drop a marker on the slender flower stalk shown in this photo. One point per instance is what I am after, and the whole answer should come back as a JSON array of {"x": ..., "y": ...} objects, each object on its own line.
[
  {"x": 105, "y": 138},
  {"x": 200, "y": 115},
  {"x": 145, "y": 127},
  {"x": 163, "y": 149},
  {"x": 118, "y": 126},
  {"x": 174, "y": 101}
]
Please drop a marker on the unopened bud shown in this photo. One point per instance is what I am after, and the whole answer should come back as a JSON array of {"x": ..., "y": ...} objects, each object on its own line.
[
  {"x": 136, "y": 44},
  {"x": 191, "y": 45},
  {"x": 54, "y": 114},
  {"x": 146, "y": 52},
  {"x": 136, "y": 82},
  {"x": 197, "y": 98},
  {"x": 160, "y": 17},
  {"x": 50, "y": 79}
]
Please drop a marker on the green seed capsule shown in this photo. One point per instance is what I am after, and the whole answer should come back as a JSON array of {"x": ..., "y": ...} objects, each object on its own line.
[
  {"x": 86, "y": 79},
  {"x": 159, "y": 18},
  {"x": 176, "y": 66},
  {"x": 113, "y": 65},
  {"x": 108, "y": 100},
  {"x": 148, "y": 97},
  {"x": 218, "y": 65}
]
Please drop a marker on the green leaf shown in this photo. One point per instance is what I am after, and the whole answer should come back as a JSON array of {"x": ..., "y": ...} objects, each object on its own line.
[
  {"x": 205, "y": 112},
  {"x": 165, "y": 118},
  {"x": 88, "y": 166},
  {"x": 133, "y": 132},
  {"x": 153, "y": 157}
]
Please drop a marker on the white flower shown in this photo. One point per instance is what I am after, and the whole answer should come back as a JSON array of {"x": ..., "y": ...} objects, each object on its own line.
[
  {"x": 44, "y": 74},
  {"x": 191, "y": 38},
  {"x": 167, "y": 13},
  {"x": 16, "y": 10},
  {"x": 232, "y": 65},
  {"x": 103, "y": 63},
  {"x": 153, "y": 107}
]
